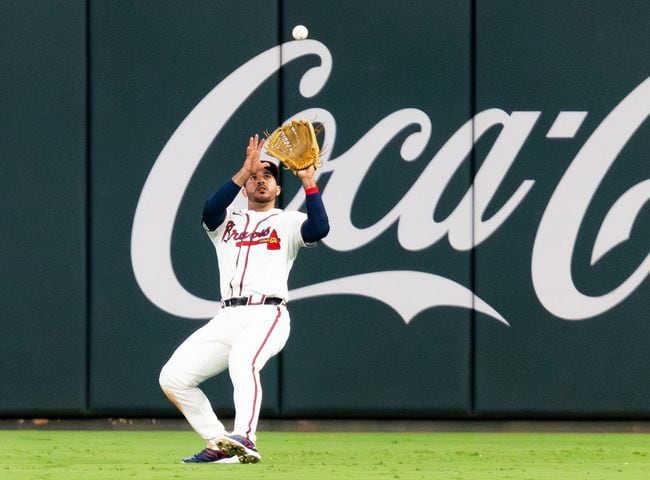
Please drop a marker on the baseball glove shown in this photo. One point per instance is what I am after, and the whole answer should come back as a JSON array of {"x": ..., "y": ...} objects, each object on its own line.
[{"x": 295, "y": 145}]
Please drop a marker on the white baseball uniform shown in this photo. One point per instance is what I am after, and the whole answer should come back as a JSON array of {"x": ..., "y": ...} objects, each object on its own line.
[{"x": 255, "y": 251}]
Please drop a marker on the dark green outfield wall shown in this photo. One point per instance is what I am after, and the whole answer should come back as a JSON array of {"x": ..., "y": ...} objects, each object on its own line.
[
  {"x": 485, "y": 171},
  {"x": 43, "y": 259}
]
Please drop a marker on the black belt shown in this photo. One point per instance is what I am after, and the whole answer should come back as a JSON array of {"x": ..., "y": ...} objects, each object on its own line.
[{"x": 242, "y": 301}]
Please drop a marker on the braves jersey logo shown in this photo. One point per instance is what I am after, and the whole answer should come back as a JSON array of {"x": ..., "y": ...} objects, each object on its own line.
[{"x": 266, "y": 237}]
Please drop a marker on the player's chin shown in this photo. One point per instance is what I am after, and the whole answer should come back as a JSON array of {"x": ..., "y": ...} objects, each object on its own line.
[{"x": 265, "y": 197}]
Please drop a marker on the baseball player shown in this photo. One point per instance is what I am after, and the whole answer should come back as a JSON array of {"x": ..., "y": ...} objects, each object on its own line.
[{"x": 255, "y": 250}]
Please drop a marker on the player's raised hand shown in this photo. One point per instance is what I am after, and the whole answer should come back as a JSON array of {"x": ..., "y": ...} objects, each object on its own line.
[{"x": 252, "y": 162}]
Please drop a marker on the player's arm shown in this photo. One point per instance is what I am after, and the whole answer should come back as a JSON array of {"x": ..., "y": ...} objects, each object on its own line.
[
  {"x": 317, "y": 224},
  {"x": 214, "y": 211}
]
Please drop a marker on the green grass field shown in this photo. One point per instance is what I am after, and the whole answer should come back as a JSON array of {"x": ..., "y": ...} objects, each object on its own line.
[{"x": 72, "y": 455}]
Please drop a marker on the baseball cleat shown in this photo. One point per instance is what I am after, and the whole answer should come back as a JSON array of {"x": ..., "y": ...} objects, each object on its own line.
[
  {"x": 208, "y": 455},
  {"x": 239, "y": 446}
]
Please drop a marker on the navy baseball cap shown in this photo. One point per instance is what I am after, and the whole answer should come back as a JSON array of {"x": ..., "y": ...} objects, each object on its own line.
[{"x": 272, "y": 167}]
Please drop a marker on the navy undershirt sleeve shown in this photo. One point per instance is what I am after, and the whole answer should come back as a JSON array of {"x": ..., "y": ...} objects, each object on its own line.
[
  {"x": 317, "y": 224},
  {"x": 214, "y": 211}
]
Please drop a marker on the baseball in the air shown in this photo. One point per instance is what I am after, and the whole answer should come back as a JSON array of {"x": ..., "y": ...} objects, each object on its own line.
[{"x": 300, "y": 32}]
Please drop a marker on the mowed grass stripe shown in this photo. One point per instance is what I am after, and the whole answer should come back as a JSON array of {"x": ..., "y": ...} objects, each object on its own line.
[{"x": 72, "y": 455}]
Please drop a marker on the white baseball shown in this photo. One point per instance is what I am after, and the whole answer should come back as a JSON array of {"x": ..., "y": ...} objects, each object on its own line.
[{"x": 300, "y": 32}]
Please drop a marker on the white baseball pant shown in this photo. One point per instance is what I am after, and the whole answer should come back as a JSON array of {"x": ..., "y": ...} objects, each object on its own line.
[{"x": 241, "y": 339}]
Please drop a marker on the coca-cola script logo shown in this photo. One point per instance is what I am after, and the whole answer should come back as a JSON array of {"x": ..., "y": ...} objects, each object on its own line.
[{"x": 465, "y": 227}]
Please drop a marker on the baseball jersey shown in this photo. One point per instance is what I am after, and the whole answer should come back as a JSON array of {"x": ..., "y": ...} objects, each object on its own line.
[{"x": 256, "y": 250}]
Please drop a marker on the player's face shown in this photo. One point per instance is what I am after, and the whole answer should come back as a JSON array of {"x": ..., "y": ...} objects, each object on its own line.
[{"x": 261, "y": 188}]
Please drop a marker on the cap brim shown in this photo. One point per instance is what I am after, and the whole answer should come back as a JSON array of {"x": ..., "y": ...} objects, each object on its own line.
[{"x": 272, "y": 168}]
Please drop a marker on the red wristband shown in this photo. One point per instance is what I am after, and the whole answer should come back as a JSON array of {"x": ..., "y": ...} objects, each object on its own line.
[{"x": 311, "y": 190}]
